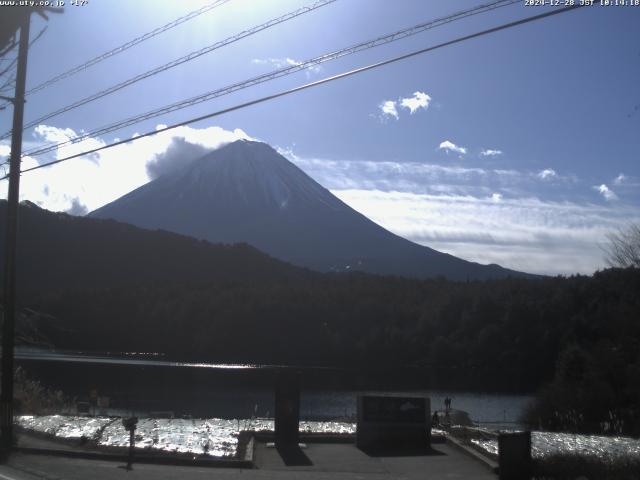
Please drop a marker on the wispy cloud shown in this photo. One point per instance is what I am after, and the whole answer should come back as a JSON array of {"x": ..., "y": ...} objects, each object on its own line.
[
  {"x": 547, "y": 174},
  {"x": 626, "y": 182},
  {"x": 77, "y": 207},
  {"x": 417, "y": 101},
  {"x": 526, "y": 234},
  {"x": 606, "y": 192},
  {"x": 449, "y": 146},
  {"x": 621, "y": 179},
  {"x": 419, "y": 177},
  {"x": 481, "y": 214},
  {"x": 490, "y": 153},
  {"x": 285, "y": 62}
]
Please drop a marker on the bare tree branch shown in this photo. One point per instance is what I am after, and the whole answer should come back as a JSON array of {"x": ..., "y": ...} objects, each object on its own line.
[{"x": 623, "y": 249}]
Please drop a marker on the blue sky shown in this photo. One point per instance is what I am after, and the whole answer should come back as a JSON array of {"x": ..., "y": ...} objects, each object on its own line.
[{"x": 519, "y": 148}]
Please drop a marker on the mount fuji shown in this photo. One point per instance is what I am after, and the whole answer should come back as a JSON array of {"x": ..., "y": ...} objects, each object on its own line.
[{"x": 247, "y": 192}]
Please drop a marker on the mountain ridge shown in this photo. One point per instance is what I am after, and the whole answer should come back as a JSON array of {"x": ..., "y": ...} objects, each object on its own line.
[{"x": 57, "y": 251}]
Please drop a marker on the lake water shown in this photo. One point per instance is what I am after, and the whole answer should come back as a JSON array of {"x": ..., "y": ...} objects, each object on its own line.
[
  {"x": 142, "y": 384},
  {"x": 487, "y": 409}
]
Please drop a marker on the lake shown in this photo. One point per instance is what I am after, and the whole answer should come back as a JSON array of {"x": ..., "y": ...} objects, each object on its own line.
[{"x": 148, "y": 383}]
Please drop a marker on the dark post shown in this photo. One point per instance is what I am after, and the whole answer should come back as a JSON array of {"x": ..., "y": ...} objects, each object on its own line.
[
  {"x": 514, "y": 455},
  {"x": 287, "y": 408},
  {"x": 130, "y": 424},
  {"x": 8, "y": 326}
]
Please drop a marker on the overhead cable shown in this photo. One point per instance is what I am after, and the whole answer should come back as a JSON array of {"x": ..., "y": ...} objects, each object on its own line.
[
  {"x": 126, "y": 46},
  {"x": 179, "y": 61}
]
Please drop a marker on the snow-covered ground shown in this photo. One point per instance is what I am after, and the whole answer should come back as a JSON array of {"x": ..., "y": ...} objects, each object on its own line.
[
  {"x": 61, "y": 426},
  {"x": 213, "y": 436},
  {"x": 545, "y": 444},
  {"x": 219, "y": 437}
]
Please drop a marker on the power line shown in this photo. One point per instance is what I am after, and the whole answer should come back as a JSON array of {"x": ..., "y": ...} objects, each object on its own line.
[
  {"x": 312, "y": 84},
  {"x": 7, "y": 48},
  {"x": 179, "y": 61},
  {"x": 7, "y": 85},
  {"x": 9, "y": 66},
  {"x": 388, "y": 38},
  {"x": 13, "y": 61},
  {"x": 277, "y": 74},
  {"x": 126, "y": 46}
]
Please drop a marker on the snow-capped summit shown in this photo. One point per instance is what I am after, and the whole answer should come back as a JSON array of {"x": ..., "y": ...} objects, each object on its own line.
[{"x": 248, "y": 192}]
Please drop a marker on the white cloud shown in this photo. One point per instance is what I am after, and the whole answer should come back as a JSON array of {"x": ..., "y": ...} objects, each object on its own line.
[
  {"x": 490, "y": 153},
  {"x": 5, "y": 150},
  {"x": 606, "y": 192},
  {"x": 417, "y": 101},
  {"x": 496, "y": 197},
  {"x": 178, "y": 154},
  {"x": 388, "y": 109},
  {"x": 59, "y": 135},
  {"x": 547, "y": 174},
  {"x": 79, "y": 184},
  {"x": 452, "y": 147},
  {"x": 54, "y": 134}
]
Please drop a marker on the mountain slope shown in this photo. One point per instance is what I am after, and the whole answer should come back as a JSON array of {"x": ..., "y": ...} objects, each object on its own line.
[
  {"x": 57, "y": 251},
  {"x": 247, "y": 192}
]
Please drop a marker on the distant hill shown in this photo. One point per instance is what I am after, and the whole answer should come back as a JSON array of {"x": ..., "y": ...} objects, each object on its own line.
[
  {"x": 247, "y": 192},
  {"x": 60, "y": 251}
]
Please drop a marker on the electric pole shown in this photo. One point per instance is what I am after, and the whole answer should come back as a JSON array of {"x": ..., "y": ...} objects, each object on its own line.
[{"x": 8, "y": 325}]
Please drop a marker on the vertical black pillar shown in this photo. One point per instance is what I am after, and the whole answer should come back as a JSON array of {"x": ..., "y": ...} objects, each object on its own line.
[
  {"x": 8, "y": 326},
  {"x": 287, "y": 408}
]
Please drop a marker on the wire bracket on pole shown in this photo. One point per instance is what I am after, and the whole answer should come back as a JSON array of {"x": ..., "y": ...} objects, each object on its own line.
[{"x": 8, "y": 100}]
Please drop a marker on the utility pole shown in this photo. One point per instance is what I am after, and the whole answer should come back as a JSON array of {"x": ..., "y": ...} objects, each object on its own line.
[{"x": 8, "y": 325}]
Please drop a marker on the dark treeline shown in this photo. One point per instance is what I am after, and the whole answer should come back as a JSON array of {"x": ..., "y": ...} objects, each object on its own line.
[
  {"x": 515, "y": 329},
  {"x": 112, "y": 287}
]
